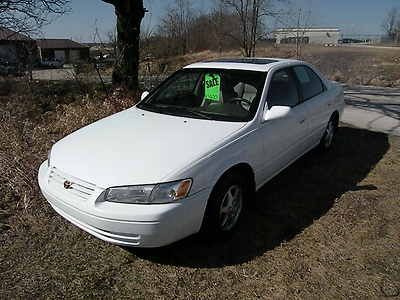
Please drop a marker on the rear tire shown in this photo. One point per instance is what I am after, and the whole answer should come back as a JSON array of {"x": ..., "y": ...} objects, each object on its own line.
[
  {"x": 225, "y": 206},
  {"x": 329, "y": 135}
]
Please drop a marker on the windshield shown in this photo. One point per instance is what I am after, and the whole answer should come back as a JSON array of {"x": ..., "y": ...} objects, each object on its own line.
[{"x": 214, "y": 94}]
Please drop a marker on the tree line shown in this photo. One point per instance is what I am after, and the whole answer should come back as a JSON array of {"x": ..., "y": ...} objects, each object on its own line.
[
  {"x": 228, "y": 24},
  {"x": 391, "y": 25}
]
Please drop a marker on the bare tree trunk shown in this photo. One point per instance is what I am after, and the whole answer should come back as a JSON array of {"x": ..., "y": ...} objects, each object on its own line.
[
  {"x": 129, "y": 17},
  {"x": 298, "y": 35},
  {"x": 243, "y": 16},
  {"x": 254, "y": 31}
]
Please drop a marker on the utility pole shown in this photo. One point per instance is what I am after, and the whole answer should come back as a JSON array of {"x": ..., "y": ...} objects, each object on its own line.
[{"x": 298, "y": 54}]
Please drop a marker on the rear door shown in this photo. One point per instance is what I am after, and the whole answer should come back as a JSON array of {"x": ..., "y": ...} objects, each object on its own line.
[
  {"x": 284, "y": 139},
  {"x": 314, "y": 98}
]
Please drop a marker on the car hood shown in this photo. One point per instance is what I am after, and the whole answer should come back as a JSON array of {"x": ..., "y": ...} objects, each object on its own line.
[{"x": 137, "y": 147}]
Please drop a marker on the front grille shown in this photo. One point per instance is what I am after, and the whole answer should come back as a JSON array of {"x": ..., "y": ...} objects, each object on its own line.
[{"x": 78, "y": 189}]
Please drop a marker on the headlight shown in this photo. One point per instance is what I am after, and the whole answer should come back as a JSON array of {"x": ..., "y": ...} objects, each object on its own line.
[
  {"x": 149, "y": 194},
  {"x": 129, "y": 194}
]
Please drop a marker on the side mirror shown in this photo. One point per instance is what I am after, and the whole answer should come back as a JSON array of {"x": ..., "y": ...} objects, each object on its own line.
[
  {"x": 276, "y": 112},
  {"x": 144, "y": 95}
]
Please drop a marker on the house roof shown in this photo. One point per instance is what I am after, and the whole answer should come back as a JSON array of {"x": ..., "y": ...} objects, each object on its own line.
[
  {"x": 59, "y": 44},
  {"x": 10, "y": 35}
]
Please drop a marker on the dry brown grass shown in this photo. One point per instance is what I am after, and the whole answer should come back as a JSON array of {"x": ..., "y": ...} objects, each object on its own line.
[
  {"x": 328, "y": 227},
  {"x": 360, "y": 66},
  {"x": 33, "y": 117},
  {"x": 357, "y": 66}
]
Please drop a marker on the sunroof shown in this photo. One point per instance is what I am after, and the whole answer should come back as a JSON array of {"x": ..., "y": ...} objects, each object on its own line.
[{"x": 255, "y": 61}]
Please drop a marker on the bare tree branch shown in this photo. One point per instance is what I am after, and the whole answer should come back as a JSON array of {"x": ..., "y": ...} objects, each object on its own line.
[
  {"x": 28, "y": 16},
  {"x": 391, "y": 25},
  {"x": 252, "y": 14},
  {"x": 177, "y": 22}
]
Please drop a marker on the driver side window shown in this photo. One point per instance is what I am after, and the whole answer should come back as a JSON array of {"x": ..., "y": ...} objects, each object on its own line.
[
  {"x": 283, "y": 89},
  {"x": 184, "y": 85}
]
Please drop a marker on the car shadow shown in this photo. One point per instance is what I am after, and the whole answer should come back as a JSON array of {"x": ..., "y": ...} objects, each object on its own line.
[{"x": 285, "y": 206}]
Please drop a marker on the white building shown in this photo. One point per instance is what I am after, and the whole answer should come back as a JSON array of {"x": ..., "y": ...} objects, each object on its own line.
[{"x": 320, "y": 36}]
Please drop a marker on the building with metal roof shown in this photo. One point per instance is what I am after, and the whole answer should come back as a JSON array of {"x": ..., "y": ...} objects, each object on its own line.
[{"x": 319, "y": 36}]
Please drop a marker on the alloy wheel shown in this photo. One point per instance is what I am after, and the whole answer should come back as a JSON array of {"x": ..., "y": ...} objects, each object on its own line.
[
  {"x": 329, "y": 134},
  {"x": 231, "y": 207}
]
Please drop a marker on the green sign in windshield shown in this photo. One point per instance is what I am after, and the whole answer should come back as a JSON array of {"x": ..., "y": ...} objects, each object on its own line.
[{"x": 212, "y": 87}]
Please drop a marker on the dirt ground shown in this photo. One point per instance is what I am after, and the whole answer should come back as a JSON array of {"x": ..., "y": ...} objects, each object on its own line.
[{"x": 327, "y": 227}]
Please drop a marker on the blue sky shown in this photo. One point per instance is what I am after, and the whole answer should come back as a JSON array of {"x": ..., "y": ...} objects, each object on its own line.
[{"x": 352, "y": 16}]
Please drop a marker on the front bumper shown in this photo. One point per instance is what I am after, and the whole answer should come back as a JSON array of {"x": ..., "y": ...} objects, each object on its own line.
[{"x": 131, "y": 225}]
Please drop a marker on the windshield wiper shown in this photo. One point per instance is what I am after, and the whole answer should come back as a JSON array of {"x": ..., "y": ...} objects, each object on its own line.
[
  {"x": 199, "y": 114},
  {"x": 179, "y": 109}
]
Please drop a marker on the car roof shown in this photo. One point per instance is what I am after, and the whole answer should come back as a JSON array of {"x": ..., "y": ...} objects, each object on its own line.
[{"x": 251, "y": 64}]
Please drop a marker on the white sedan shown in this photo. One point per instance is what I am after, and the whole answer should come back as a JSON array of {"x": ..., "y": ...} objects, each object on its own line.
[{"x": 192, "y": 152}]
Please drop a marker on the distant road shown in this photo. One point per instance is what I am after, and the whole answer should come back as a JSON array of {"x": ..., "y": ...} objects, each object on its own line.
[
  {"x": 373, "y": 108},
  {"x": 54, "y": 74},
  {"x": 371, "y": 46}
]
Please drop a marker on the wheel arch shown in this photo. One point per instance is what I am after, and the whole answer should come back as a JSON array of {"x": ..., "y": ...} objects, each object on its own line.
[{"x": 244, "y": 169}]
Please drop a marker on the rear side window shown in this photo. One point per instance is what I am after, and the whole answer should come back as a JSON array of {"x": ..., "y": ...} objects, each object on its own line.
[
  {"x": 283, "y": 89},
  {"x": 311, "y": 84}
]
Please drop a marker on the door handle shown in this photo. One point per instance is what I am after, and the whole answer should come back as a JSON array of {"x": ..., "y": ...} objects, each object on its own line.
[{"x": 302, "y": 121}]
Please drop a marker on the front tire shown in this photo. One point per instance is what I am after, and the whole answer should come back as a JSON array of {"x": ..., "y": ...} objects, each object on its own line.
[{"x": 225, "y": 206}]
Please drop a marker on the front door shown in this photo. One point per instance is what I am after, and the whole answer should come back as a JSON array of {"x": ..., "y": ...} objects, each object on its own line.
[{"x": 285, "y": 138}]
